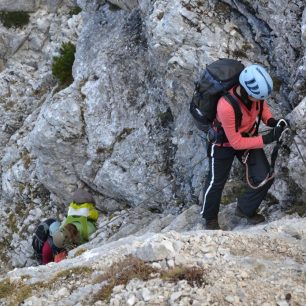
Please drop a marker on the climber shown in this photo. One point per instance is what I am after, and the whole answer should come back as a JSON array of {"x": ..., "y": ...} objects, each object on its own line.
[
  {"x": 255, "y": 85},
  {"x": 80, "y": 222},
  {"x": 42, "y": 242}
]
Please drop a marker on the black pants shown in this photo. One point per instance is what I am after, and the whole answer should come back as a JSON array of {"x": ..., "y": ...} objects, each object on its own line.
[{"x": 220, "y": 163}]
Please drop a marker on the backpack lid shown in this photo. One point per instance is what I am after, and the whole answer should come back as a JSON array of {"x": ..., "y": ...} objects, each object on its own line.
[{"x": 225, "y": 69}]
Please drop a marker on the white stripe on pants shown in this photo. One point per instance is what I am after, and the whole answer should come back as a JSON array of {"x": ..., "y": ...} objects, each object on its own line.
[{"x": 212, "y": 177}]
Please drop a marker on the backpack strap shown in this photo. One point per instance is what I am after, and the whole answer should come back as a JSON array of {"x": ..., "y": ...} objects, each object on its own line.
[
  {"x": 237, "y": 110},
  {"x": 261, "y": 103}
]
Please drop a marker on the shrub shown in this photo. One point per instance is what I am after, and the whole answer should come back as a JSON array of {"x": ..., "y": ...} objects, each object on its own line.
[
  {"x": 62, "y": 65},
  {"x": 75, "y": 11},
  {"x": 14, "y": 19}
]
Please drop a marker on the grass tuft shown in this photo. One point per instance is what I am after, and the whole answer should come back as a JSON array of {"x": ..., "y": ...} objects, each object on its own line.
[
  {"x": 69, "y": 273},
  {"x": 14, "y": 19},
  {"x": 14, "y": 293},
  {"x": 193, "y": 275},
  {"x": 62, "y": 64},
  {"x": 6, "y": 288},
  {"x": 80, "y": 252},
  {"x": 120, "y": 273}
]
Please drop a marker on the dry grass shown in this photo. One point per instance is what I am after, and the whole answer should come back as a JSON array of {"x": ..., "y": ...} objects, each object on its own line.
[
  {"x": 73, "y": 273},
  {"x": 6, "y": 288},
  {"x": 80, "y": 252},
  {"x": 15, "y": 293},
  {"x": 120, "y": 273},
  {"x": 193, "y": 275}
]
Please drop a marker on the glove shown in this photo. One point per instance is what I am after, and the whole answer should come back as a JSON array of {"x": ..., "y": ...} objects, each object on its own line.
[
  {"x": 60, "y": 256},
  {"x": 273, "y": 135},
  {"x": 274, "y": 122}
]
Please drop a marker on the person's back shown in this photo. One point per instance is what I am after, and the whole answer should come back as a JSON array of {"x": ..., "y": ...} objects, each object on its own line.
[
  {"x": 80, "y": 221},
  {"x": 84, "y": 228}
]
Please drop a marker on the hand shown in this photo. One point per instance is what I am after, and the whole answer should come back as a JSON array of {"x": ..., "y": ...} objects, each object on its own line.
[
  {"x": 60, "y": 256},
  {"x": 275, "y": 122},
  {"x": 273, "y": 135}
]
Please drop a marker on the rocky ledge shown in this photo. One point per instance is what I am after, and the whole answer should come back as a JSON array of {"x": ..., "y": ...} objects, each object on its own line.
[{"x": 263, "y": 265}]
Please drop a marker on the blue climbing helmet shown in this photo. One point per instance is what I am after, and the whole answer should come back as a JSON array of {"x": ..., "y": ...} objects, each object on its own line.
[
  {"x": 256, "y": 81},
  {"x": 54, "y": 227}
]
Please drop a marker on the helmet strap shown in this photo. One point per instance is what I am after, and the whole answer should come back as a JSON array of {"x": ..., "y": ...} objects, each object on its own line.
[{"x": 245, "y": 98}]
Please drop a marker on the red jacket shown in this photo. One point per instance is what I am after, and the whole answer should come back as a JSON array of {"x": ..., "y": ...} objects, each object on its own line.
[{"x": 226, "y": 116}]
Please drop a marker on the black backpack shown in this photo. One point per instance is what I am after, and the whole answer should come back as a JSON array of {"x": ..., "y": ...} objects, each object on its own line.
[
  {"x": 215, "y": 81},
  {"x": 41, "y": 234}
]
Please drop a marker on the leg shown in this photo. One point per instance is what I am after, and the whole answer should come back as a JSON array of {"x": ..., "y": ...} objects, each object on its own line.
[
  {"x": 259, "y": 168},
  {"x": 220, "y": 162}
]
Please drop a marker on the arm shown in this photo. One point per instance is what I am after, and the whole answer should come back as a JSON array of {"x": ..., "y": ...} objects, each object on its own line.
[{"x": 227, "y": 118}]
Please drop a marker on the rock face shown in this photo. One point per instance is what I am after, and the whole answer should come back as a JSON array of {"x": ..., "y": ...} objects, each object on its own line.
[
  {"x": 18, "y": 5},
  {"x": 145, "y": 61},
  {"x": 33, "y": 5},
  {"x": 123, "y": 129}
]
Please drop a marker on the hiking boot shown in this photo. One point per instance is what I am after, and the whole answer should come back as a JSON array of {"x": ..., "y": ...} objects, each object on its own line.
[
  {"x": 255, "y": 219},
  {"x": 212, "y": 224}
]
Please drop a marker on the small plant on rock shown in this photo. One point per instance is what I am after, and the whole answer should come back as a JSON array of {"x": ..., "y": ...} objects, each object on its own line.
[
  {"x": 120, "y": 273},
  {"x": 75, "y": 11},
  {"x": 193, "y": 275},
  {"x": 6, "y": 288},
  {"x": 62, "y": 64},
  {"x": 14, "y": 19}
]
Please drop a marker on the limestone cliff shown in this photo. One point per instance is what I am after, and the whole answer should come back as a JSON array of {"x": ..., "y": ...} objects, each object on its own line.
[{"x": 122, "y": 129}]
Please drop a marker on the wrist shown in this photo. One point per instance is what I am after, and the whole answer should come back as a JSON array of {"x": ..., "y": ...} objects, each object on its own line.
[{"x": 272, "y": 122}]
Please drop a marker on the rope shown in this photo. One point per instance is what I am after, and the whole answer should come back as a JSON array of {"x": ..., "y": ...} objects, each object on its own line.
[
  {"x": 269, "y": 176},
  {"x": 298, "y": 149}
]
